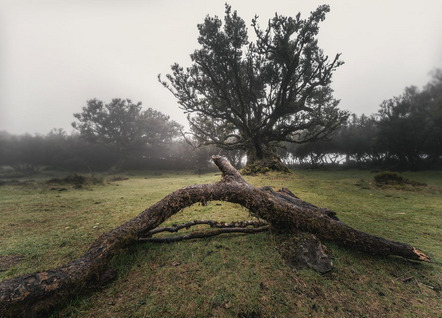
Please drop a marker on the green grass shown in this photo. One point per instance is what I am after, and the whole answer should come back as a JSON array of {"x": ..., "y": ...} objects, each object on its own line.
[{"x": 235, "y": 275}]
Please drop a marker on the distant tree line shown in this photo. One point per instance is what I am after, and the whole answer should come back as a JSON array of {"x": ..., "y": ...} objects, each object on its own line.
[
  {"x": 58, "y": 150},
  {"x": 114, "y": 136},
  {"x": 405, "y": 133}
]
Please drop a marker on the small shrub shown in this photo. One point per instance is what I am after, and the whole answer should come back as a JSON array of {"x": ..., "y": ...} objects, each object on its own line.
[
  {"x": 92, "y": 178},
  {"x": 392, "y": 178},
  {"x": 77, "y": 180},
  {"x": 389, "y": 178}
]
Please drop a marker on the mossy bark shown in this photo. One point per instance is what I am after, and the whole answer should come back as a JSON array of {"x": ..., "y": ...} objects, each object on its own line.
[
  {"x": 264, "y": 165},
  {"x": 34, "y": 293},
  {"x": 261, "y": 158}
]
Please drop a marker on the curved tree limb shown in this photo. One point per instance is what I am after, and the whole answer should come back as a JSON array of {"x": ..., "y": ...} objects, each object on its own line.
[{"x": 36, "y": 292}]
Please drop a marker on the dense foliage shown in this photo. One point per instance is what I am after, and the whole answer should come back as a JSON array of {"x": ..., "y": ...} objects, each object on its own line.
[
  {"x": 406, "y": 133},
  {"x": 125, "y": 128},
  {"x": 252, "y": 96},
  {"x": 28, "y": 154},
  {"x": 118, "y": 135}
]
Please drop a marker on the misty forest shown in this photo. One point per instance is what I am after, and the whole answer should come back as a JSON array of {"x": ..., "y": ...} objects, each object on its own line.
[{"x": 271, "y": 201}]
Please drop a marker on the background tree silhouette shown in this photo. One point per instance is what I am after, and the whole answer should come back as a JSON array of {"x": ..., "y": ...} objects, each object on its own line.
[
  {"x": 410, "y": 125},
  {"x": 125, "y": 127}
]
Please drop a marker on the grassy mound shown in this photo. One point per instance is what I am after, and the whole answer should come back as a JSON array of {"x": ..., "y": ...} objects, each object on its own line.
[{"x": 392, "y": 178}]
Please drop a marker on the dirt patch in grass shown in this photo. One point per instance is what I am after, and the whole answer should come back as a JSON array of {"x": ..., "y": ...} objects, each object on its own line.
[
  {"x": 304, "y": 250},
  {"x": 7, "y": 261}
]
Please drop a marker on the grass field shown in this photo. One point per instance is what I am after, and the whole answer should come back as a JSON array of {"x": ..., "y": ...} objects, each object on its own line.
[{"x": 45, "y": 225}]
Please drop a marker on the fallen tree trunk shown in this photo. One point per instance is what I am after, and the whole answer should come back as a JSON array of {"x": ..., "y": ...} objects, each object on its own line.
[{"x": 37, "y": 292}]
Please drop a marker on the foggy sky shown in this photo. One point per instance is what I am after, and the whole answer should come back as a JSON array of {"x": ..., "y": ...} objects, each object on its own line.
[{"x": 56, "y": 55}]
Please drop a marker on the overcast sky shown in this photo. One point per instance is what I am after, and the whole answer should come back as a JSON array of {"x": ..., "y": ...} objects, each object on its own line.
[{"x": 56, "y": 55}]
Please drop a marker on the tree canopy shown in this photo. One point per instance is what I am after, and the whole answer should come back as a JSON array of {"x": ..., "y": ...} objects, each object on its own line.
[
  {"x": 252, "y": 96},
  {"x": 405, "y": 133},
  {"x": 124, "y": 126},
  {"x": 410, "y": 125}
]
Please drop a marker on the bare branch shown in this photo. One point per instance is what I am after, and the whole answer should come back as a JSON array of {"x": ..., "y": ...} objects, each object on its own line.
[
  {"x": 204, "y": 234},
  {"x": 213, "y": 224}
]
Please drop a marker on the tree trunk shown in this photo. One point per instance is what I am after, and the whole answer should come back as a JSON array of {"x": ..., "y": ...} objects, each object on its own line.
[
  {"x": 261, "y": 159},
  {"x": 255, "y": 152},
  {"x": 39, "y": 292}
]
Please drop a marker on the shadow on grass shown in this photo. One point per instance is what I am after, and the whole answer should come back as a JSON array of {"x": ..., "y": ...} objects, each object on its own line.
[{"x": 244, "y": 276}]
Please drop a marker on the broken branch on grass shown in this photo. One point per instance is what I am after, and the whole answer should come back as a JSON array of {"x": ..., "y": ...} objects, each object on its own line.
[
  {"x": 213, "y": 224},
  {"x": 204, "y": 234}
]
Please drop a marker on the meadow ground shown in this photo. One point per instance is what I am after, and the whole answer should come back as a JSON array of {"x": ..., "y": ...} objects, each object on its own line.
[{"x": 46, "y": 225}]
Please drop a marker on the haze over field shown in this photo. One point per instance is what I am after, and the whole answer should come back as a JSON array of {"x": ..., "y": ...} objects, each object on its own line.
[{"x": 56, "y": 55}]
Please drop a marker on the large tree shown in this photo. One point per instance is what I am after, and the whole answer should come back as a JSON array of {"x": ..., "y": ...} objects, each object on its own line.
[
  {"x": 255, "y": 95},
  {"x": 124, "y": 126}
]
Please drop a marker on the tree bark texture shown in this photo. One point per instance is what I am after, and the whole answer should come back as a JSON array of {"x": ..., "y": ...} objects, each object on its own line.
[
  {"x": 41, "y": 291},
  {"x": 261, "y": 159},
  {"x": 204, "y": 234},
  {"x": 213, "y": 224}
]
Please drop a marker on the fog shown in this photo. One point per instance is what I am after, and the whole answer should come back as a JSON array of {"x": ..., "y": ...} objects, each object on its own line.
[{"x": 56, "y": 55}]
